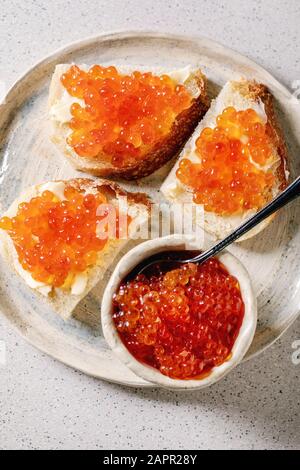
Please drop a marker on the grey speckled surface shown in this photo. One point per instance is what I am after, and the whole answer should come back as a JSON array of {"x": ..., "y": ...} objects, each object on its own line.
[{"x": 46, "y": 405}]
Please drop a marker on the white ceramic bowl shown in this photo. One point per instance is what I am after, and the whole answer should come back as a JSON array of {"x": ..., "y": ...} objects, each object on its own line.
[{"x": 178, "y": 242}]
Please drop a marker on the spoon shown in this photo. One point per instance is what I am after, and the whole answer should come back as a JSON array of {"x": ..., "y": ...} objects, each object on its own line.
[{"x": 288, "y": 195}]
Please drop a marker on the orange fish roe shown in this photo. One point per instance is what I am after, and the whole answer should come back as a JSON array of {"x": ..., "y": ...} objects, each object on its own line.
[
  {"x": 123, "y": 115},
  {"x": 54, "y": 239},
  {"x": 183, "y": 322},
  {"x": 229, "y": 177}
]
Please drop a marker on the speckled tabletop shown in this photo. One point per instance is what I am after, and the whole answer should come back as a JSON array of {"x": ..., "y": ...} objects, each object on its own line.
[{"x": 46, "y": 405}]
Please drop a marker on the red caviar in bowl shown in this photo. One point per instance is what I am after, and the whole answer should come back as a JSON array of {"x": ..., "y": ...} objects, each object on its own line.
[
  {"x": 183, "y": 322},
  {"x": 56, "y": 240},
  {"x": 230, "y": 176},
  {"x": 122, "y": 115}
]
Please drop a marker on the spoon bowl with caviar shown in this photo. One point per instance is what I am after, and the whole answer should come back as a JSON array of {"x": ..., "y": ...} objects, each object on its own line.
[{"x": 181, "y": 314}]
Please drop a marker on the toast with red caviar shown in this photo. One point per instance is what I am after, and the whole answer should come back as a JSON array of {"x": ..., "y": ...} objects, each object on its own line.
[
  {"x": 61, "y": 237},
  {"x": 124, "y": 123},
  {"x": 235, "y": 162}
]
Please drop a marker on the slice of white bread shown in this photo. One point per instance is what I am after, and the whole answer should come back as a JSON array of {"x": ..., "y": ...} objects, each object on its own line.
[
  {"x": 64, "y": 301},
  {"x": 59, "y": 109},
  {"x": 241, "y": 95}
]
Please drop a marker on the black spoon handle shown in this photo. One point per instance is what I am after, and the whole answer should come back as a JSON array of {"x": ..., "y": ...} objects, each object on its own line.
[{"x": 290, "y": 193}]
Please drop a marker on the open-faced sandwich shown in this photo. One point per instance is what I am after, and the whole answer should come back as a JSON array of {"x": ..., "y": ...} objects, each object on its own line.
[
  {"x": 61, "y": 236},
  {"x": 124, "y": 123},
  {"x": 235, "y": 162}
]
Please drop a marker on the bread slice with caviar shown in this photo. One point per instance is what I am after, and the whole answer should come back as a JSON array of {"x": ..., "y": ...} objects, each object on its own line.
[
  {"x": 234, "y": 163},
  {"x": 124, "y": 123},
  {"x": 60, "y": 237}
]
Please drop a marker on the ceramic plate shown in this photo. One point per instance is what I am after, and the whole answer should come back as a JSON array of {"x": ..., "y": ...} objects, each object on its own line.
[{"x": 27, "y": 157}]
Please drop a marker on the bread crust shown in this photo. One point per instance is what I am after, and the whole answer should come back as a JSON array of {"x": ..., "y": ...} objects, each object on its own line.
[
  {"x": 257, "y": 91},
  {"x": 110, "y": 188},
  {"x": 159, "y": 155}
]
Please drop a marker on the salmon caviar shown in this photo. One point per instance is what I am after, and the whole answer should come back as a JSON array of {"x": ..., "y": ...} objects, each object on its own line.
[
  {"x": 122, "y": 116},
  {"x": 183, "y": 322},
  {"x": 56, "y": 240},
  {"x": 230, "y": 177}
]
